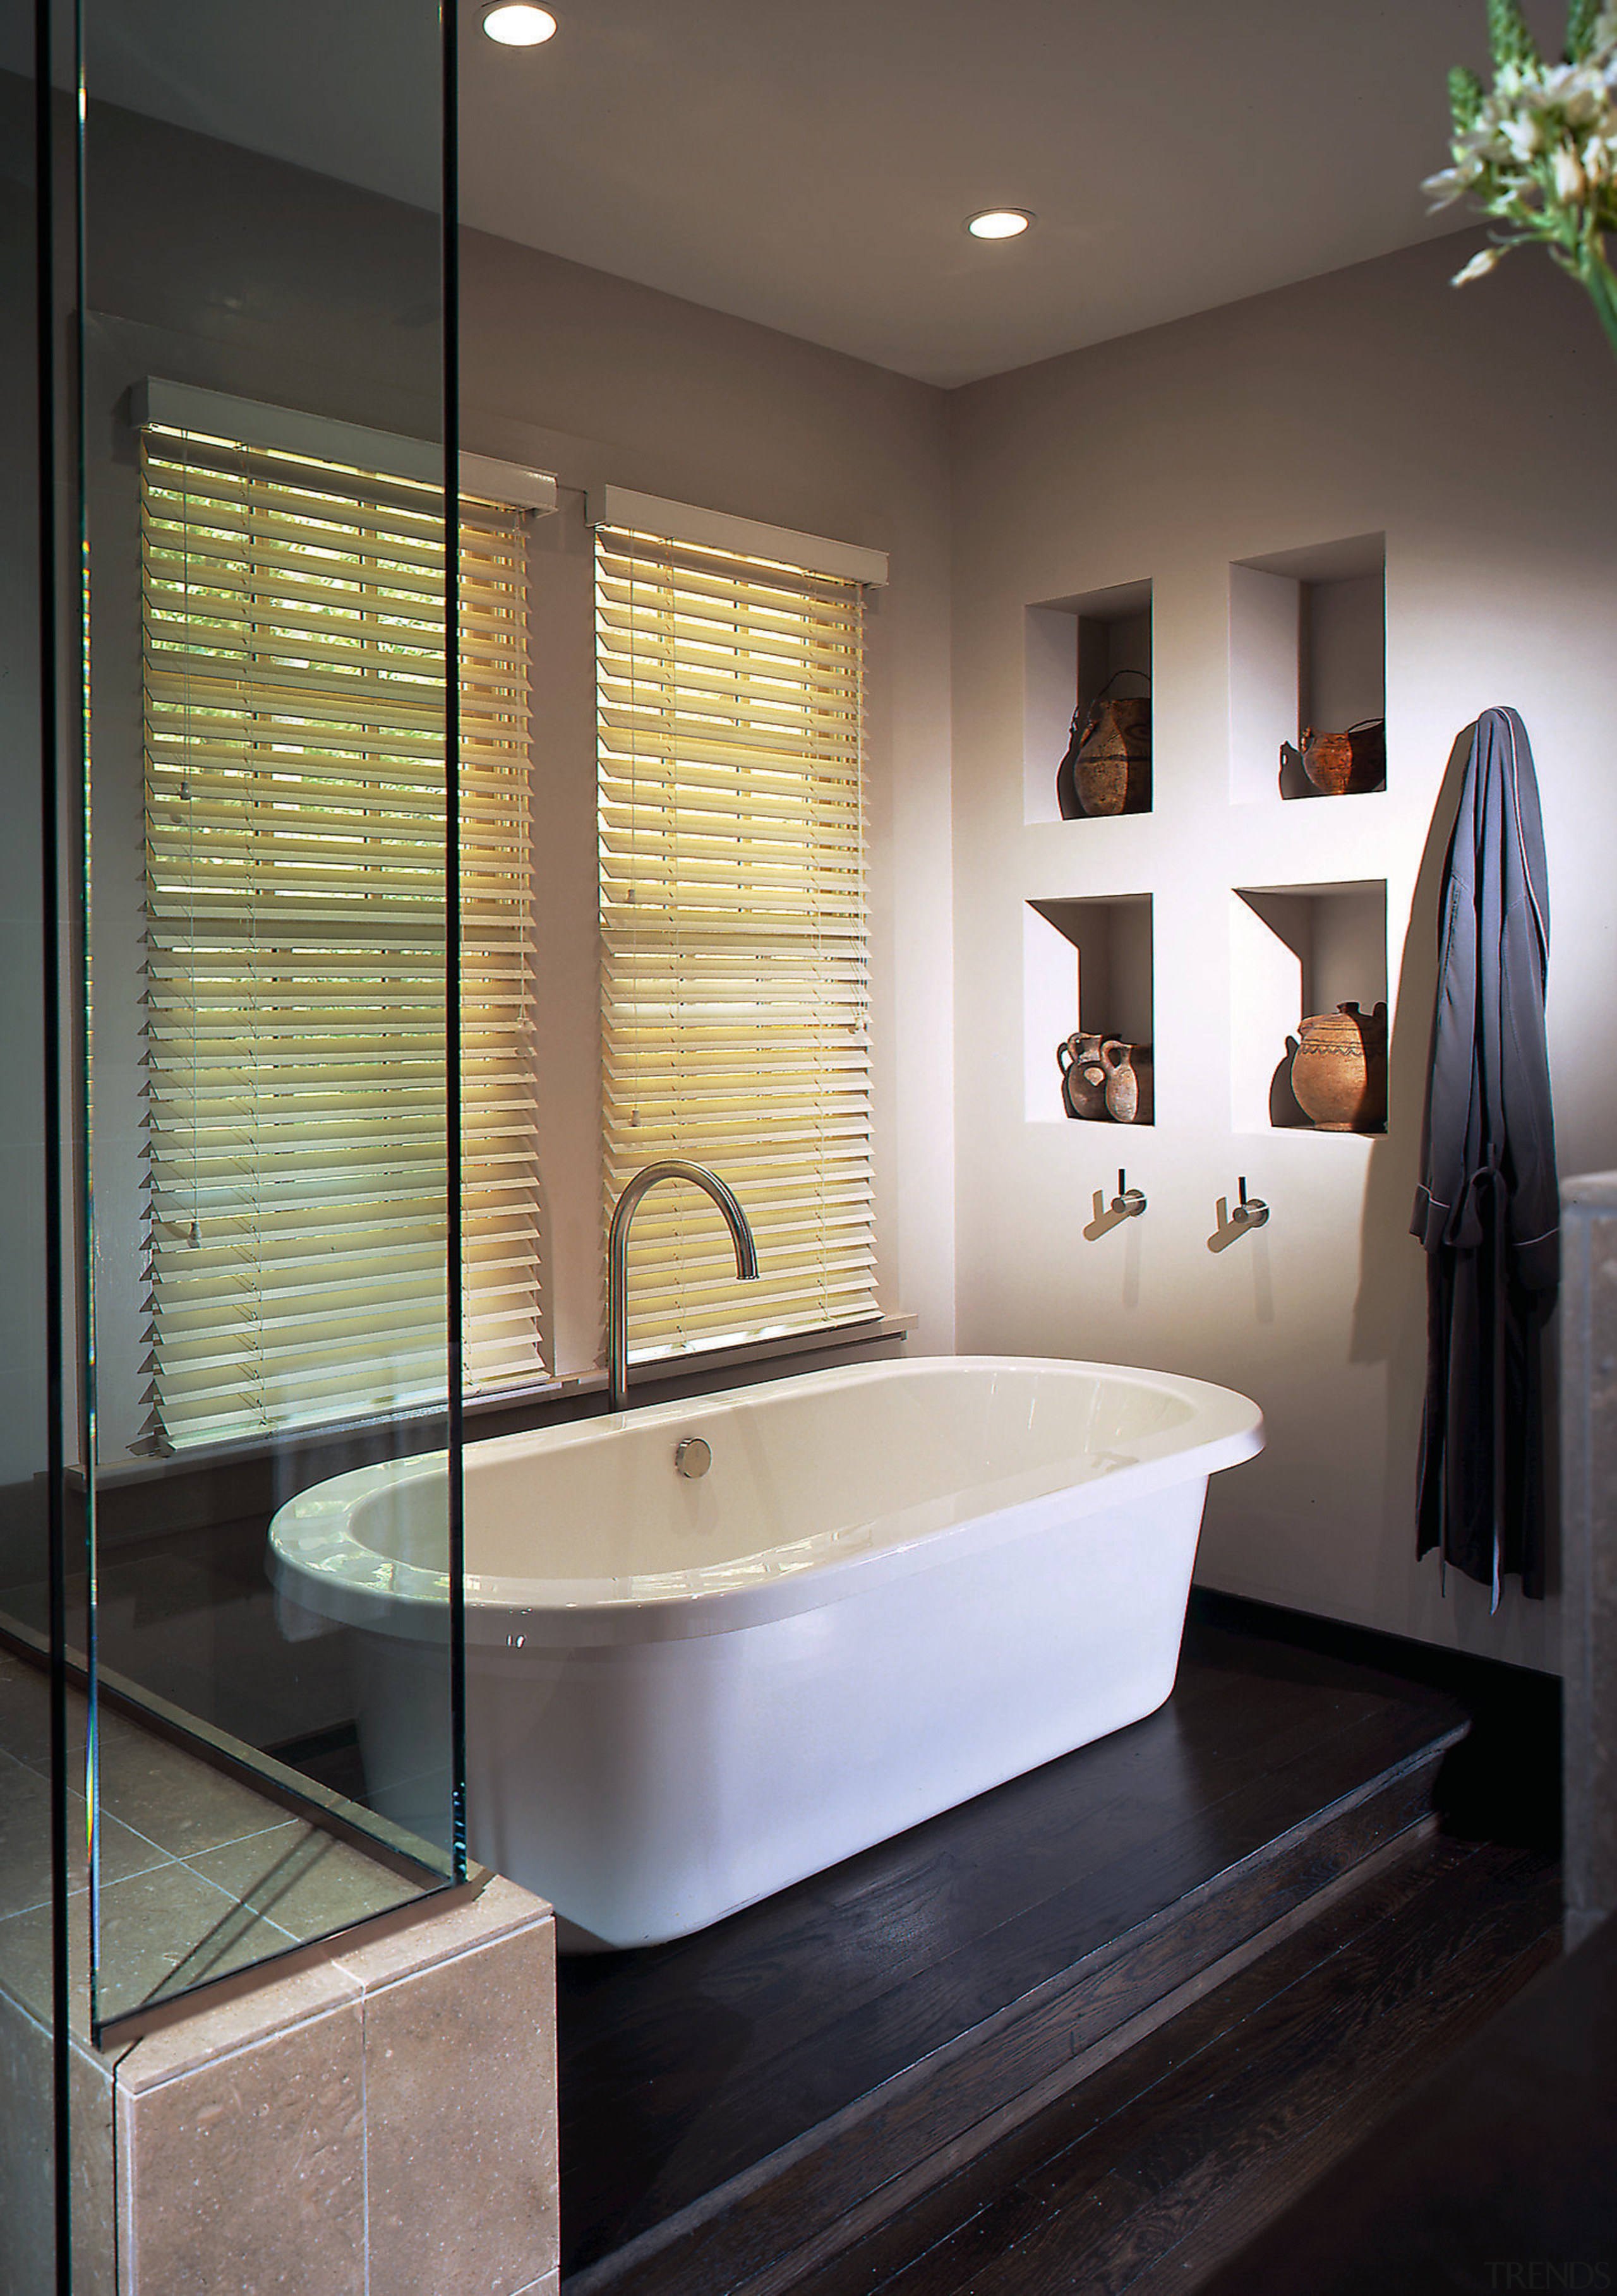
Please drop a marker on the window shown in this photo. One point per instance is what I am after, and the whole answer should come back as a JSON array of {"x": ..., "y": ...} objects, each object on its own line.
[
  {"x": 295, "y": 857},
  {"x": 733, "y": 932}
]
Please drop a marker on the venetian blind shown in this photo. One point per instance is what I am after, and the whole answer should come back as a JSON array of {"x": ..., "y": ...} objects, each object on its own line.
[
  {"x": 735, "y": 998},
  {"x": 296, "y": 831}
]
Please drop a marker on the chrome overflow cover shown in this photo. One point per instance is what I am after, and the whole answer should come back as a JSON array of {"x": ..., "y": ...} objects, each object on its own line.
[{"x": 693, "y": 1456}]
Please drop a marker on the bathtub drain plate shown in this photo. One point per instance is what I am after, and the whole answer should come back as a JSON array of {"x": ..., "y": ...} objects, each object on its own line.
[{"x": 693, "y": 1456}]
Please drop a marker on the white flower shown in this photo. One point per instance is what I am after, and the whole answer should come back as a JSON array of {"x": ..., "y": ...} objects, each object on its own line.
[
  {"x": 1479, "y": 266},
  {"x": 1577, "y": 90},
  {"x": 1572, "y": 185},
  {"x": 1445, "y": 187},
  {"x": 1525, "y": 136}
]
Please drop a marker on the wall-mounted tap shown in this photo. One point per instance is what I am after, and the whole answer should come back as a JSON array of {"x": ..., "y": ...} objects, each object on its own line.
[
  {"x": 1237, "y": 1219},
  {"x": 1128, "y": 1203},
  {"x": 617, "y": 1258},
  {"x": 1252, "y": 1211}
]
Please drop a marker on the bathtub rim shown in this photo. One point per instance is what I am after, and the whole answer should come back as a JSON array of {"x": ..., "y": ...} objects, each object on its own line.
[{"x": 316, "y": 1563}]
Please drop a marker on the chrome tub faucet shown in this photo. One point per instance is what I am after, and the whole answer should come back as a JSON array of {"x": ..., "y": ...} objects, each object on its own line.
[{"x": 616, "y": 1257}]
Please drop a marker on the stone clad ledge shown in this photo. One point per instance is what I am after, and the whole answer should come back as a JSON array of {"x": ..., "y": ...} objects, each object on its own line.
[
  {"x": 381, "y": 2122},
  {"x": 1588, "y": 1319}
]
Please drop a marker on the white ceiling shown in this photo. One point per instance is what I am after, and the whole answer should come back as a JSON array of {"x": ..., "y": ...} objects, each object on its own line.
[{"x": 811, "y": 166}]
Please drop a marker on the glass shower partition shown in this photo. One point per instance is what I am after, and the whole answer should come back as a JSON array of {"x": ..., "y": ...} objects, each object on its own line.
[
  {"x": 42, "y": 1818},
  {"x": 270, "y": 1198}
]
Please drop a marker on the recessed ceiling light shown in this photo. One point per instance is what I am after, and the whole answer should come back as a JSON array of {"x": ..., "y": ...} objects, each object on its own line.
[
  {"x": 518, "y": 24},
  {"x": 998, "y": 223}
]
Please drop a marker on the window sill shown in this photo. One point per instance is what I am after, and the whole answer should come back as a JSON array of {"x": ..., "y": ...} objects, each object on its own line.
[
  {"x": 652, "y": 1371},
  {"x": 249, "y": 1465}
]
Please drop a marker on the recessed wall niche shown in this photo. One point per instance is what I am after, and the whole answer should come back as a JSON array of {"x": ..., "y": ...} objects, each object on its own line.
[
  {"x": 1296, "y": 950},
  {"x": 1308, "y": 647},
  {"x": 1087, "y": 969},
  {"x": 1071, "y": 647}
]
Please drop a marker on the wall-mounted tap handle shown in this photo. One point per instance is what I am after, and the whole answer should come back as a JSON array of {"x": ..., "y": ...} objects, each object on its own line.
[
  {"x": 1252, "y": 1211},
  {"x": 1128, "y": 1203}
]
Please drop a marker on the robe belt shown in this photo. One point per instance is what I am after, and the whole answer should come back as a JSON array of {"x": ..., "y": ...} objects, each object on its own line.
[{"x": 1465, "y": 1228}]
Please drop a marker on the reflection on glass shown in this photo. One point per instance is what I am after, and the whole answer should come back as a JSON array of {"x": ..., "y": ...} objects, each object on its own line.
[
  {"x": 272, "y": 961},
  {"x": 33, "y": 1773}
]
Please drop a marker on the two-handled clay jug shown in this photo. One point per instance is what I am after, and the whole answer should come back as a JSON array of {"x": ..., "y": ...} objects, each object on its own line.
[
  {"x": 1122, "y": 1085},
  {"x": 1083, "y": 1080}
]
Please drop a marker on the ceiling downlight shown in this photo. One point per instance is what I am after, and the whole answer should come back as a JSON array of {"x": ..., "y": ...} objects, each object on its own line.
[
  {"x": 999, "y": 223},
  {"x": 519, "y": 24}
]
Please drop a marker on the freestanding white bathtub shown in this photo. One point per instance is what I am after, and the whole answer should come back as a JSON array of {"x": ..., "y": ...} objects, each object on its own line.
[{"x": 897, "y": 1586}]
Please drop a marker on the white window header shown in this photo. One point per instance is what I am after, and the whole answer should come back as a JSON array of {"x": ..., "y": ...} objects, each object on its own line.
[
  {"x": 157, "y": 405},
  {"x": 746, "y": 537}
]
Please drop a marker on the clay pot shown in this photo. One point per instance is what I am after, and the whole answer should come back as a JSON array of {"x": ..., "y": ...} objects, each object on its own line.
[
  {"x": 1340, "y": 764},
  {"x": 1339, "y": 1070},
  {"x": 1083, "y": 1080},
  {"x": 1122, "y": 1085},
  {"x": 1112, "y": 768}
]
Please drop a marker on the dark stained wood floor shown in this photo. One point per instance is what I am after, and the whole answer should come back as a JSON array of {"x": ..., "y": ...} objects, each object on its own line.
[
  {"x": 685, "y": 2066},
  {"x": 1498, "y": 2172},
  {"x": 1155, "y": 2171}
]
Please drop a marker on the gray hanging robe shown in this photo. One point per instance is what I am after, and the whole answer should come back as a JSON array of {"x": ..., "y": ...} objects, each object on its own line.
[{"x": 1487, "y": 1209}]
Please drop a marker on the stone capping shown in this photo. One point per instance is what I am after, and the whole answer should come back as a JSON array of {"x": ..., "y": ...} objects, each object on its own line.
[
  {"x": 381, "y": 2118},
  {"x": 1587, "y": 1323},
  {"x": 265, "y": 1977}
]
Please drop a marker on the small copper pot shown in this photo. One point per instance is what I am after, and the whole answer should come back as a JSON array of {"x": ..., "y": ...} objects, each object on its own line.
[{"x": 1341, "y": 765}]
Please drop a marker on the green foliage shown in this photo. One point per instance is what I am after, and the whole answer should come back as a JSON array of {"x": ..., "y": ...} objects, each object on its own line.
[
  {"x": 1509, "y": 37},
  {"x": 1466, "y": 96},
  {"x": 1581, "y": 18}
]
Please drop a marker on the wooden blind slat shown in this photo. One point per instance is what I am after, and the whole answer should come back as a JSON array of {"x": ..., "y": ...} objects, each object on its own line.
[
  {"x": 296, "y": 984},
  {"x": 735, "y": 934}
]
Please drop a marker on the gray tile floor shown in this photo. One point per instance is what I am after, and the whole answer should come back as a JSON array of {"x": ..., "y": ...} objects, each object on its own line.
[{"x": 201, "y": 1875}]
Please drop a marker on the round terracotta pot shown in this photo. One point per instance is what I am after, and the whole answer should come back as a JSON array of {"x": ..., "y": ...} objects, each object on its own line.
[
  {"x": 1339, "y": 763},
  {"x": 1339, "y": 1070}
]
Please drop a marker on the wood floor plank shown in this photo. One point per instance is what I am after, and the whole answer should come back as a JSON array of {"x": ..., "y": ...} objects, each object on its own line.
[
  {"x": 1106, "y": 2220},
  {"x": 687, "y": 2067},
  {"x": 705, "y": 2117},
  {"x": 761, "y": 2233},
  {"x": 1340, "y": 2047},
  {"x": 1348, "y": 2017},
  {"x": 1137, "y": 2074},
  {"x": 1505, "y": 2153},
  {"x": 1059, "y": 2254},
  {"x": 1223, "y": 2229}
]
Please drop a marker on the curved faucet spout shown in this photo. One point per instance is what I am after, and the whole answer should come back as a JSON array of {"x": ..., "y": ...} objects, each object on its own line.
[{"x": 616, "y": 1257}]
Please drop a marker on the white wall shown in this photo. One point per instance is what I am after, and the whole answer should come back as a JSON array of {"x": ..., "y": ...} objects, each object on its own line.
[{"x": 1474, "y": 430}]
